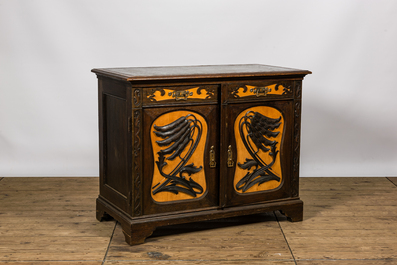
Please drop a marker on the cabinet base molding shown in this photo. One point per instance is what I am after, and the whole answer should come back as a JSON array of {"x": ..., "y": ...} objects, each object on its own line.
[{"x": 136, "y": 230}]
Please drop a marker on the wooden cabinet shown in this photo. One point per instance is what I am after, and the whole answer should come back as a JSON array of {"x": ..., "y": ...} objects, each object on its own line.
[{"x": 184, "y": 144}]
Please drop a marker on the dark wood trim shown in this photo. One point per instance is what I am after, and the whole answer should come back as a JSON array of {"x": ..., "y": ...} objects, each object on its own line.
[
  {"x": 197, "y": 82},
  {"x": 1, "y": 178},
  {"x": 223, "y": 143},
  {"x": 296, "y": 140},
  {"x": 137, "y": 161}
]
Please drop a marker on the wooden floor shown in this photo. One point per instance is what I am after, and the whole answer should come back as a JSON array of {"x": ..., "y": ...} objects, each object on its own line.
[{"x": 346, "y": 221}]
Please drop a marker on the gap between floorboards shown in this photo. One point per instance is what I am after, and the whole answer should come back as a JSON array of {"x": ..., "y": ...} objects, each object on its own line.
[
  {"x": 393, "y": 180},
  {"x": 286, "y": 241},
  {"x": 110, "y": 242}
]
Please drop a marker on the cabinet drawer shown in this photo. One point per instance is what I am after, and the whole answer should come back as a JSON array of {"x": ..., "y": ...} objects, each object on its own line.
[
  {"x": 260, "y": 90},
  {"x": 180, "y": 94}
]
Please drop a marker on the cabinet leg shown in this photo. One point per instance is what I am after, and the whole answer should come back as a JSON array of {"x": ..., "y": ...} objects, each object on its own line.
[
  {"x": 294, "y": 216},
  {"x": 294, "y": 213},
  {"x": 137, "y": 233},
  {"x": 101, "y": 215}
]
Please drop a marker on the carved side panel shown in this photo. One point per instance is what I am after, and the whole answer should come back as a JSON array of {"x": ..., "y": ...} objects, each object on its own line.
[
  {"x": 296, "y": 148},
  {"x": 178, "y": 142},
  {"x": 258, "y": 132},
  {"x": 137, "y": 162}
]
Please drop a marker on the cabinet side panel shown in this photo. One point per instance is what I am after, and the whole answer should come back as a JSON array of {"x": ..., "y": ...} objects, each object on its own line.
[
  {"x": 115, "y": 142},
  {"x": 115, "y": 147}
]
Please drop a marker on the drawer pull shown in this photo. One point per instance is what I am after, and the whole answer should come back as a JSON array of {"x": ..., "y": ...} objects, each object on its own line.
[
  {"x": 212, "y": 157},
  {"x": 180, "y": 95},
  {"x": 230, "y": 162},
  {"x": 261, "y": 91}
]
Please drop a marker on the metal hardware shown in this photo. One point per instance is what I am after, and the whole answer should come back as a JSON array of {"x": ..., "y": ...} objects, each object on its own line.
[
  {"x": 230, "y": 162},
  {"x": 180, "y": 95},
  {"x": 260, "y": 91},
  {"x": 212, "y": 157}
]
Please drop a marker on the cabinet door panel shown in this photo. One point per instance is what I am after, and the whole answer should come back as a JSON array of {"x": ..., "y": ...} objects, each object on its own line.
[
  {"x": 258, "y": 132},
  {"x": 177, "y": 172},
  {"x": 260, "y": 137}
]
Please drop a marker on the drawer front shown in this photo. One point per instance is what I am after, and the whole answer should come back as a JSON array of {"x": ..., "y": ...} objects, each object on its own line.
[
  {"x": 180, "y": 95},
  {"x": 260, "y": 90}
]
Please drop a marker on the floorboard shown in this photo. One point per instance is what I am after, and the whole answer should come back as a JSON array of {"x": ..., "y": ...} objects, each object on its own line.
[
  {"x": 328, "y": 231},
  {"x": 51, "y": 220},
  {"x": 346, "y": 221}
]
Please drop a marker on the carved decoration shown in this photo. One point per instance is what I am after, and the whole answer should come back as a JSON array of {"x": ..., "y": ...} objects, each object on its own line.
[
  {"x": 210, "y": 91},
  {"x": 283, "y": 88},
  {"x": 298, "y": 89},
  {"x": 255, "y": 130},
  {"x": 137, "y": 97},
  {"x": 180, "y": 138},
  {"x": 151, "y": 94},
  {"x": 296, "y": 146},
  {"x": 235, "y": 90},
  {"x": 286, "y": 87},
  {"x": 137, "y": 164},
  {"x": 178, "y": 94}
]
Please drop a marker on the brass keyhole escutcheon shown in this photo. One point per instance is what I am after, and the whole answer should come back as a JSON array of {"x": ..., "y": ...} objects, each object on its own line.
[
  {"x": 261, "y": 91},
  {"x": 180, "y": 95},
  {"x": 230, "y": 162},
  {"x": 212, "y": 157}
]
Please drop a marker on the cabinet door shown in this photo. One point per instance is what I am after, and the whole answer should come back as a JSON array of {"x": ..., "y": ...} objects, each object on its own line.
[
  {"x": 259, "y": 155},
  {"x": 180, "y": 159}
]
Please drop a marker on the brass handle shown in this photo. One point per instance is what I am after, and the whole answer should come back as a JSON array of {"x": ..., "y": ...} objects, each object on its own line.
[
  {"x": 212, "y": 157},
  {"x": 180, "y": 95},
  {"x": 260, "y": 91},
  {"x": 230, "y": 162}
]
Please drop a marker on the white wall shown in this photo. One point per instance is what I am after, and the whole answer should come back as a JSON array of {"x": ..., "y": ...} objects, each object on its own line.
[{"x": 48, "y": 96}]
